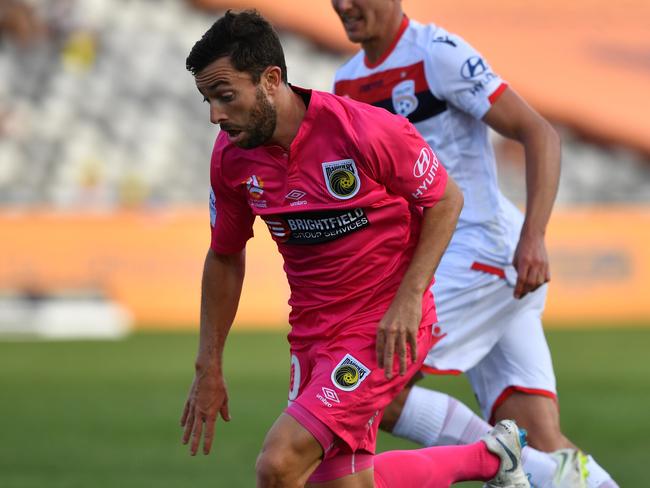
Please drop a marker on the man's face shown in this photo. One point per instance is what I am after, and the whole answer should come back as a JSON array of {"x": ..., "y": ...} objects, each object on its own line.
[
  {"x": 239, "y": 106},
  {"x": 365, "y": 20}
]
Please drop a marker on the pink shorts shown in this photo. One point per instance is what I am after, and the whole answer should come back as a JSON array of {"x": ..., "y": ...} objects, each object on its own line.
[{"x": 338, "y": 394}]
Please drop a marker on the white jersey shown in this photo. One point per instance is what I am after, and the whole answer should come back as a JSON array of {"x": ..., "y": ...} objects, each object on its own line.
[{"x": 445, "y": 87}]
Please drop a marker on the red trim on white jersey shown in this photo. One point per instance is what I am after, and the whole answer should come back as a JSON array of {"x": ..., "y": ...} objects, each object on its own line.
[
  {"x": 379, "y": 86},
  {"x": 382, "y": 58},
  {"x": 497, "y": 93}
]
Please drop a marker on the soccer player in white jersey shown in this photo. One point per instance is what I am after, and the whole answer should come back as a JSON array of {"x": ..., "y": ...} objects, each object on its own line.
[{"x": 491, "y": 283}]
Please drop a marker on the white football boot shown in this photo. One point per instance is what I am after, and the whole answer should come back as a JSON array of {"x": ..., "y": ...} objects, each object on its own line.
[
  {"x": 571, "y": 469},
  {"x": 506, "y": 441}
]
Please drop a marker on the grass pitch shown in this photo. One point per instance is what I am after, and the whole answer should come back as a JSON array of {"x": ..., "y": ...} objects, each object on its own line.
[{"x": 105, "y": 414}]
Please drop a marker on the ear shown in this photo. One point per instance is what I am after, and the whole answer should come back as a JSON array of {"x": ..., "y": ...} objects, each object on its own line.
[{"x": 272, "y": 79}]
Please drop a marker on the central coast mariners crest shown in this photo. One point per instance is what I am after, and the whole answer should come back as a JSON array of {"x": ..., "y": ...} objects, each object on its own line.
[
  {"x": 349, "y": 374},
  {"x": 404, "y": 100},
  {"x": 342, "y": 178}
]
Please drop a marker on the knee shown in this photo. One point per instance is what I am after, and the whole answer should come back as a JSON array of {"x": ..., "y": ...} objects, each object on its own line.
[
  {"x": 274, "y": 469},
  {"x": 539, "y": 415}
]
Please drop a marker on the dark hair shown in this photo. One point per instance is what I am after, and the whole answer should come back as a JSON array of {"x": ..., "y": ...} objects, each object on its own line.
[{"x": 247, "y": 38}]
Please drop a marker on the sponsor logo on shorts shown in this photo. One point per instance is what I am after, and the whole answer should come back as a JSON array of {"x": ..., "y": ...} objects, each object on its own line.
[
  {"x": 427, "y": 166},
  {"x": 341, "y": 178},
  {"x": 328, "y": 397},
  {"x": 294, "y": 381},
  {"x": 349, "y": 373},
  {"x": 315, "y": 227},
  {"x": 331, "y": 395},
  {"x": 403, "y": 97}
]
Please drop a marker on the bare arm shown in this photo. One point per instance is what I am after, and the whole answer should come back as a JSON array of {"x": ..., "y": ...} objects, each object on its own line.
[
  {"x": 400, "y": 324},
  {"x": 220, "y": 291},
  {"x": 512, "y": 117}
]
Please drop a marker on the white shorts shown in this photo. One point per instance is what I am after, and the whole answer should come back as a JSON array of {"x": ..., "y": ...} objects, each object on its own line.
[{"x": 496, "y": 339}]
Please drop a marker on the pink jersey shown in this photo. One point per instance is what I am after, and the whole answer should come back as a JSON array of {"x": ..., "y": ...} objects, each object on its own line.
[{"x": 344, "y": 206}]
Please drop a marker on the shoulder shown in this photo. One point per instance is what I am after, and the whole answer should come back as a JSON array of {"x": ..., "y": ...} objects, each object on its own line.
[
  {"x": 361, "y": 124},
  {"x": 350, "y": 68},
  {"x": 350, "y": 112},
  {"x": 440, "y": 46},
  {"x": 229, "y": 163}
]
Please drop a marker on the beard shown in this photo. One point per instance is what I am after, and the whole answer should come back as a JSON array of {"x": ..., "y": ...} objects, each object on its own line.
[{"x": 263, "y": 119}]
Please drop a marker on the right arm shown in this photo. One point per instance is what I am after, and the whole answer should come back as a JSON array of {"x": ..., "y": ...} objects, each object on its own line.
[{"x": 223, "y": 275}]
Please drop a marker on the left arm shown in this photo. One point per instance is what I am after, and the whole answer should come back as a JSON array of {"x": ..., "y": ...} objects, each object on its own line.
[
  {"x": 513, "y": 118},
  {"x": 400, "y": 323}
]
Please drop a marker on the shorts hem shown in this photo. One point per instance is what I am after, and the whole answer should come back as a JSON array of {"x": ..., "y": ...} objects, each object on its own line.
[
  {"x": 342, "y": 465},
  {"x": 507, "y": 393},
  {"x": 431, "y": 370},
  {"x": 316, "y": 427}
]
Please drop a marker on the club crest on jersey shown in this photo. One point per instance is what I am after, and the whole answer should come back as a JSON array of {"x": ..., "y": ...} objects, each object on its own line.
[
  {"x": 342, "y": 178},
  {"x": 349, "y": 374},
  {"x": 404, "y": 100}
]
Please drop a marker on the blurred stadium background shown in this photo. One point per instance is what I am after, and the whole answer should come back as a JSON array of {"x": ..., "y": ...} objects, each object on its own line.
[{"x": 104, "y": 154}]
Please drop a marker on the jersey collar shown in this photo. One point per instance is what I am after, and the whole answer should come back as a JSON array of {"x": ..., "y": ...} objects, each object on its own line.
[{"x": 398, "y": 36}]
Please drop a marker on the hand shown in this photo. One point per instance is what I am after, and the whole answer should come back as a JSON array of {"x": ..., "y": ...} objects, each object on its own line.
[
  {"x": 398, "y": 326},
  {"x": 531, "y": 263},
  {"x": 208, "y": 397}
]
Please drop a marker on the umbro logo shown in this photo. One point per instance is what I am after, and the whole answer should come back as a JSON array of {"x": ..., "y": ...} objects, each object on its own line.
[
  {"x": 295, "y": 195},
  {"x": 331, "y": 395}
]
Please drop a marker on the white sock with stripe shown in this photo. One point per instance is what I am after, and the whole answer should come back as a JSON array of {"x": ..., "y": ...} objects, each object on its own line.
[{"x": 598, "y": 477}]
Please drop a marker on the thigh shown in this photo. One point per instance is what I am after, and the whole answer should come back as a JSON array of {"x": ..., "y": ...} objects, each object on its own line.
[
  {"x": 519, "y": 362},
  {"x": 291, "y": 448}
]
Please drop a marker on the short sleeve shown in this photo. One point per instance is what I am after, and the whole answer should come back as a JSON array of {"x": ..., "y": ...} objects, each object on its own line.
[
  {"x": 231, "y": 219},
  {"x": 399, "y": 158},
  {"x": 459, "y": 74}
]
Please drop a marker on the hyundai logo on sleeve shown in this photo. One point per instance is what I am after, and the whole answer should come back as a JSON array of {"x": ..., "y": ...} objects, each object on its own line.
[{"x": 473, "y": 67}]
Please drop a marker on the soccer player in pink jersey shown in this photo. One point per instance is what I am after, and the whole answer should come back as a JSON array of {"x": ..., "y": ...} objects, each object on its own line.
[
  {"x": 490, "y": 287},
  {"x": 347, "y": 191}
]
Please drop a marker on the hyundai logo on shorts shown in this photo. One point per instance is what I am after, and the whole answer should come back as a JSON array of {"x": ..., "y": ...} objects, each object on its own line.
[{"x": 473, "y": 67}]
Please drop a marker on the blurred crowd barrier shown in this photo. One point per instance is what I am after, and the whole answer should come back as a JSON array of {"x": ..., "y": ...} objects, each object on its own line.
[
  {"x": 105, "y": 146},
  {"x": 151, "y": 263}
]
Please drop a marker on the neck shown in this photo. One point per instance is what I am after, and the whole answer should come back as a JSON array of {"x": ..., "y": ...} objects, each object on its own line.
[
  {"x": 375, "y": 47},
  {"x": 290, "y": 113}
]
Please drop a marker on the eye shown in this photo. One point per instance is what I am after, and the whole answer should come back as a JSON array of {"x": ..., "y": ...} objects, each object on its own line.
[{"x": 227, "y": 97}]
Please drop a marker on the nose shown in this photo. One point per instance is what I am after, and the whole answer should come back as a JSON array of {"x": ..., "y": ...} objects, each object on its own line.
[
  {"x": 341, "y": 5},
  {"x": 217, "y": 114}
]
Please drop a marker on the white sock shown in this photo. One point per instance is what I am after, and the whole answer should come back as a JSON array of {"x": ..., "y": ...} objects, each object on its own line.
[
  {"x": 432, "y": 418},
  {"x": 598, "y": 477}
]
